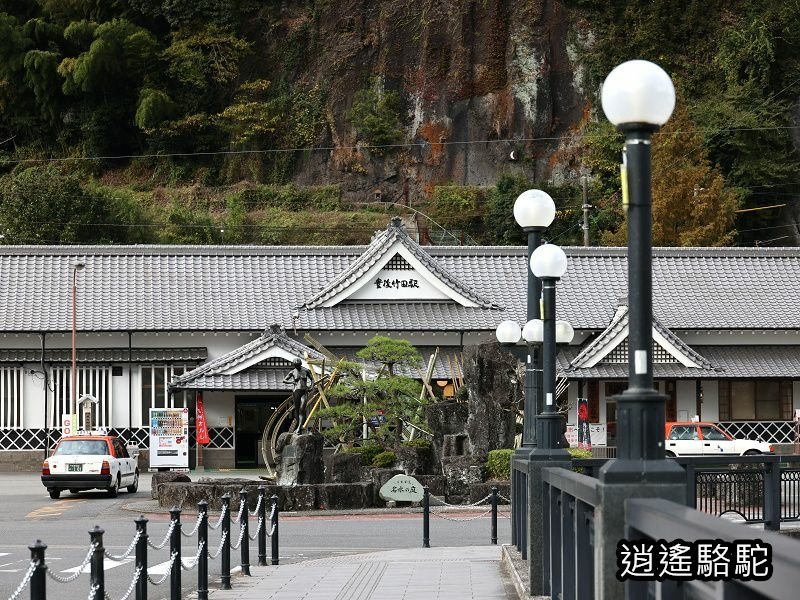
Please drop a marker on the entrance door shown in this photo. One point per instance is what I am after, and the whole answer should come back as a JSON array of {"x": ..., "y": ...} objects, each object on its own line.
[{"x": 252, "y": 414}]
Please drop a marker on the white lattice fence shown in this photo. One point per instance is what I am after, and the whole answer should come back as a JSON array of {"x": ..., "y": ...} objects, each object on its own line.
[{"x": 773, "y": 432}]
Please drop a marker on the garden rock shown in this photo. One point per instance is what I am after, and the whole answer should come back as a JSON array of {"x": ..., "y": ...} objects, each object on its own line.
[
  {"x": 461, "y": 472},
  {"x": 165, "y": 477},
  {"x": 342, "y": 468}
]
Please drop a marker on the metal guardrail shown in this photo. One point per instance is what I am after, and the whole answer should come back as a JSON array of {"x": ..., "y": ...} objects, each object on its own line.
[
  {"x": 38, "y": 569},
  {"x": 759, "y": 489},
  {"x": 658, "y": 519},
  {"x": 519, "y": 504}
]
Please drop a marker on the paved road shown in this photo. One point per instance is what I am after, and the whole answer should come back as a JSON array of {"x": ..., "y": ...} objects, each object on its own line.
[{"x": 29, "y": 514}]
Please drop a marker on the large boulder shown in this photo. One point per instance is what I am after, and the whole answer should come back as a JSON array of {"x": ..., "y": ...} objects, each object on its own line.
[
  {"x": 301, "y": 460},
  {"x": 161, "y": 477},
  {"x": 345, "y": 495},
  {"x": 416, "y": 460},
  {"x": 446, "y": 418},
  {"x": 342, "y": 468},
  {"x": 461, "y": 472},
  {"x": 493, "y": 392}
]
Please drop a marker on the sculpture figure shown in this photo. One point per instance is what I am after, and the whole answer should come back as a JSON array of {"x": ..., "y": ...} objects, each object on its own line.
[{"x": 302, "y": 381}]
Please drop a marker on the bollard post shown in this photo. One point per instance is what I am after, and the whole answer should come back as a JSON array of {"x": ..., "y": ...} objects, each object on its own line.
[
  {"x": 262, "y": 526},
  {"x": 202, "y": 547},
  {"x": 225, "y": 567},
  {"x": 141, "y": 558},
  {"x": 175, "y": 548},
  {"x": 494, "y": 515},
  {"x": 274, "y": 526},
  {"x": 97, "y": 574},
  {"x": 38, "y": 580},
  {"x": 245, "y": 525},
  {"x": 426, "y": 517}
]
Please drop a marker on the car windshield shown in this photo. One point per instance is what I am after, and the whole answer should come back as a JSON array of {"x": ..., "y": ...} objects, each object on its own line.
[{"x": 82, "y": 447}]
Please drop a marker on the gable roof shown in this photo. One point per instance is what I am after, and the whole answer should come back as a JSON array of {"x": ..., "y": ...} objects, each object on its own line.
[
  {"x": 272, "y": 343},
  {"x": 247, "y": 288},
  {"x": 385, "y": 246},
  {"x": 617, "y": 332}
]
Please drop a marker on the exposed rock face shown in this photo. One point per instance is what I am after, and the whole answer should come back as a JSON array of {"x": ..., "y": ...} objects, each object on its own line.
[
  {"x": 301, "y": 460},
  {"x": 464, "y": 70},
  {"x": 490, "y": 378},
  {"x": 165, "y": 477}
]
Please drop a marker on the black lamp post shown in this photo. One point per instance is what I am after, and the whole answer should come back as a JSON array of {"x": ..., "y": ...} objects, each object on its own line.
[
  {"x": 549, "y": 263},
  {"x": 638, "y": 97},
  {"x": 534, "y": 211}
]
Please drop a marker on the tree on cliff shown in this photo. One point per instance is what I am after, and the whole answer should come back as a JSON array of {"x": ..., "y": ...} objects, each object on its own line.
[
  {"x": 373, "y": 392},
  {"x": 692, "y": 205}
]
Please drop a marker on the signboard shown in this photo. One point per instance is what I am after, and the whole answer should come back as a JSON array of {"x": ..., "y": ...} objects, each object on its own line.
[
  {"x": 402, "y": 488},
  {"x": 200, "y": 422},
  {"x": 597, "y": 433},
  {"x": 68, "y": 424},
  {"x": 169, "y": 438},
  {"x": 584, "y": 437}
]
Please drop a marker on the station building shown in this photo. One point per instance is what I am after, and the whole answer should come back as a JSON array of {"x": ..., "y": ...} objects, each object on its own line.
[{"x": 155, "y": 325}]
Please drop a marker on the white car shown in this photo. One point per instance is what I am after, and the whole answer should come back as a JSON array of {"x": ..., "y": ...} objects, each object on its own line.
[
  {"x": 707, "y": 439},
  {"x": 87, "y": 462}
]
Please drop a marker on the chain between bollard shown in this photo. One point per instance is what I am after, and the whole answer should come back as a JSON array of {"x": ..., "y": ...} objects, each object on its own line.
[
  {"x": 77, "y": 572},
  {"x": 196, "y": 525},
  {"x": 222, "y": 540},
  {"x": 127, "y": 553},
  {"x": 23, "y": 584},
  {"x": 167, "y": 574},
  {"x": 195, "y": 560},
  {"x": 167, "y": 537},
  {"x": 219, "y": 520}
]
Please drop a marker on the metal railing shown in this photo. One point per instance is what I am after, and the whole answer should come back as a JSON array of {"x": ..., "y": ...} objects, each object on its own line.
[
  {"x": 577, "y": 563},
  {"x": 519, "y": 504},
  {"x": 658, "y": 519},
  {"x": 38, "y": 570},
  {"x": 759, "y": 489}
]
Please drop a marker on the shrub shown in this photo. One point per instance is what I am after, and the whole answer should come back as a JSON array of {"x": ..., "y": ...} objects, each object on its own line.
[
  {"x": 385, "y": 459},
  {"x": 368, "y": 452},
  {"x": 419, "y": 443},
  {"x": 579, "y": 453},
  {"x": 498, "y": 465}
]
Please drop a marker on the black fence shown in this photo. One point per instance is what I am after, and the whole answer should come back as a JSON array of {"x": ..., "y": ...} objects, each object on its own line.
[
  {"x": 38, "y": 571},
  {"x": 759, "y": 489},
  {"x": 519, "y": 504}
]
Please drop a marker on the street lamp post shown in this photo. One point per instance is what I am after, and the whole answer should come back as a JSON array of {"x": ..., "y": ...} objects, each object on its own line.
[
  {"x": 549, "y": 263},
  {"x": 638, "y": 97},
  {"x": 73, "y": 390},
  {"x": 534, "y": 211}
]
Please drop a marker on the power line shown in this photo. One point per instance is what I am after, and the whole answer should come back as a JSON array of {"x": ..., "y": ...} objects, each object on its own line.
[{"x": 421, "y": 145}]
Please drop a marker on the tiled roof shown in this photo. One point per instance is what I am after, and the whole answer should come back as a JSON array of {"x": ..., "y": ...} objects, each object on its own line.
[
  {"x": 729, "y": 362},
  {"x": 379, "y": 250},
  {"x": 273, "y": 337},
  {"x": 249, "y": 380},
  {"x": 104, "y": 355},
  {"x": 212, "y": 288},
  {"x": 619, "y": 324}
]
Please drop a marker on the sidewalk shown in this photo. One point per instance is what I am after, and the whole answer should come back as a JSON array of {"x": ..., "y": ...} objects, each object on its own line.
[{"x": 471, "y": 572}]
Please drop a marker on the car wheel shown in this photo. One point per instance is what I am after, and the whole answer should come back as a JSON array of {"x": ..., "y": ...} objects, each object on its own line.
[
  {"x": 752, "y": 453},
  {"x": 55, "y": 494},
  {"x": 669, "y": 454},
  {"x": 135, "y": 485},
  {"x": 114, "y": 489}
]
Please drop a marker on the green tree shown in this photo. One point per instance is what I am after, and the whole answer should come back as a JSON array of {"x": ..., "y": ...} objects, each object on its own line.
[
  {"x": 358, "y": 397},
  {"x": 42, "y": 205},
  {"x": 376, "y": 114}
]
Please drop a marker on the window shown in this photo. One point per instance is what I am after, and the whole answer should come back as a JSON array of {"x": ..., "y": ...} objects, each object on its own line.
[
  {"x": 755, "y": 400},
  {"x": 94, "y": 381},
  {"x": 11, "y": 397},
  {"x": 712, "y": 433},
  {"x": 155, "y": 389},
  {"x": 683, "y": 432}
]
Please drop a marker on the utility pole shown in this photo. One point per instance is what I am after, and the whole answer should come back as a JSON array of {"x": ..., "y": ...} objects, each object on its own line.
[{"x": 586, "y": 207}]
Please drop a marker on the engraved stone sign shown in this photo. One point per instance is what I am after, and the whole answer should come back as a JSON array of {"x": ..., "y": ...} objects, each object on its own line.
[{"x": 402, "y": 488}]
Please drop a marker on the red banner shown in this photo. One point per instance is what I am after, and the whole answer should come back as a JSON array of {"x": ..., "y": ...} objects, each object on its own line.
[{"x": 200, "y": 422}]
